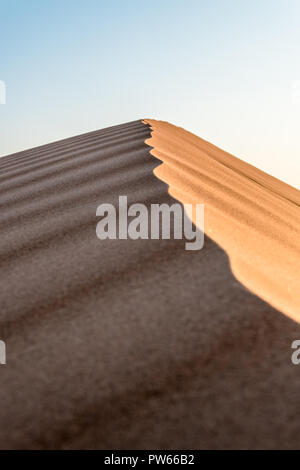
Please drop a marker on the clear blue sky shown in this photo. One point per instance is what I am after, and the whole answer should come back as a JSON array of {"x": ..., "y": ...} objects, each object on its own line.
[{"x": 223, "y": 69}]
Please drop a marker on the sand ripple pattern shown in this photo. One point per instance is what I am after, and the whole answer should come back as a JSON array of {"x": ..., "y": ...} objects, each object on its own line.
[
  {"x": 254, "y": 217},
  {"x": 131, "y": 344}
]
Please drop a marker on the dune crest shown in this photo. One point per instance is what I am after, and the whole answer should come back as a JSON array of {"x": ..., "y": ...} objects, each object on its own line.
[{"x": 253, "y": 216}]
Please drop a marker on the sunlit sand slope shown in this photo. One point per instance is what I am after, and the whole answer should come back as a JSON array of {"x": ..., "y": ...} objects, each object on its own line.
[{"x": 254, "y": 217}]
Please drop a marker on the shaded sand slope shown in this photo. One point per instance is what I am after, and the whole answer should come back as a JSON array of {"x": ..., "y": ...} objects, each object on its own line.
[
  {"x": 253, "y": 216},
  {"x": 127, "y": 344}
]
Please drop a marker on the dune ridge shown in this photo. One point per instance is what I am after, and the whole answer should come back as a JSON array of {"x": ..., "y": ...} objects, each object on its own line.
[
  {"x": 253, "y": 216},
  {"x": 128, "y": 344}
]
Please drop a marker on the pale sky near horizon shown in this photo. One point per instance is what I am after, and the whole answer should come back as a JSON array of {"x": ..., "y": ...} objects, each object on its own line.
[{"x": 227, "y": 70}]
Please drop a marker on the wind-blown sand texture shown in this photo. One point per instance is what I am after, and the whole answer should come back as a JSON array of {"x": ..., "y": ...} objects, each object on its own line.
[
  {"x": 128, "y": 344},
  {"x": 254, "y": 217}
]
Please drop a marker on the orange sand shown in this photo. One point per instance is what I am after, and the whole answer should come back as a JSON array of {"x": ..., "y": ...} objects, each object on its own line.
[{"x": 253, "y": 216}]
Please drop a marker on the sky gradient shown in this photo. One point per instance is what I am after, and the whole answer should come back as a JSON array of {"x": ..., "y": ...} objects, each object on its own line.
[{"x": 227, "y": 70}]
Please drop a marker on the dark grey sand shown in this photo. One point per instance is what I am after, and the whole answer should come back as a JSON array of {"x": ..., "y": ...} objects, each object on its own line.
[{"x": 128, "y": 344}]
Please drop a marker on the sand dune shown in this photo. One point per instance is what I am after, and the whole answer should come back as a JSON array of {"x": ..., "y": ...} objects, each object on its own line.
[
  {"x": 139, "y": 343},
  {"x": 253, "y": 216}
]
